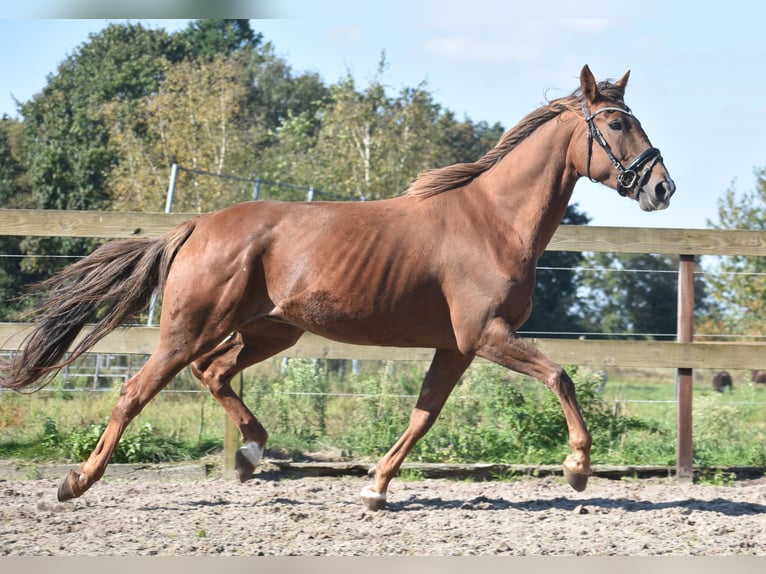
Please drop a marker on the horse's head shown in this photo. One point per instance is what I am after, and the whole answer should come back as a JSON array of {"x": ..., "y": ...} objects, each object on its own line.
[{"x": 623, "y": 157}]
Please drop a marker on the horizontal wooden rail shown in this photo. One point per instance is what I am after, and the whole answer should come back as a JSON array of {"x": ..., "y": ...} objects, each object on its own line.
[
  {"x": 108, "y": 224},
  {"x": 683, "y": 356},
  {"x": 595, "y": 353}
]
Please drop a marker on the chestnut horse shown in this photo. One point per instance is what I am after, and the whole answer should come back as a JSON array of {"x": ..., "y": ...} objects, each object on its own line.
[{"x": 449, "y": 265}]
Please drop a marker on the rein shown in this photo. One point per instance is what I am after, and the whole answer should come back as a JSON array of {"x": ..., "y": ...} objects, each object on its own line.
[{"x": 628, "y": 177}]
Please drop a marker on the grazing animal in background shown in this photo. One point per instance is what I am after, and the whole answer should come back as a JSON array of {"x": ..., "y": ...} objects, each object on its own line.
[
  {"x": 721, "y": 380},
  {"x": 449, "y": 265},
  {"x": 758, "y": 377}
]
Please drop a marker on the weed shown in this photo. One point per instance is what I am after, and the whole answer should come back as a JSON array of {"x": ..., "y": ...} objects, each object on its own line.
[
  {"x": 715, "y": 477},
  {"x": 493, "y": 416}
]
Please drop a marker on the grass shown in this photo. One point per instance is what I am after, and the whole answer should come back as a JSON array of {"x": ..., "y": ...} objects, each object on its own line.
[{"x": 492, "y": 417}]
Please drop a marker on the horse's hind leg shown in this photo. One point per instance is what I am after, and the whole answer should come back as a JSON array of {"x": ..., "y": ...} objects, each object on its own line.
[
  {"x": 252, "y": 344},
  {"x": 444, "y": 372},
  {"x": 500, "y": 345},
  {"x": 134, "y": 395}
]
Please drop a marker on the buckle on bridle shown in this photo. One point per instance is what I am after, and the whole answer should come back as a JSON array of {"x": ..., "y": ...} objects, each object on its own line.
[{"x": 627, "y": 179}]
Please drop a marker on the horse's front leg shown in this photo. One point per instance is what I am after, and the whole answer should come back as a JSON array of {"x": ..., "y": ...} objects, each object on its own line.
[
  {"x": 444, "y": 372},
  {"x": 500, "y": 345}
]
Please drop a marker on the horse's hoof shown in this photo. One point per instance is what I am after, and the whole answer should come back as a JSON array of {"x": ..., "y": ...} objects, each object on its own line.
[
  {"x": 372, "y": 500},
  {"x": 243, "y": 466},
  {"x": 576, "y": 480},
  {"x": 69, "y": 487},
  {"x": 246, "y": 459}
]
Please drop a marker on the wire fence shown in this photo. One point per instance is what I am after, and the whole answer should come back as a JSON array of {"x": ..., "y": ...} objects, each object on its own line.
[{"x": 99, "y": 373}]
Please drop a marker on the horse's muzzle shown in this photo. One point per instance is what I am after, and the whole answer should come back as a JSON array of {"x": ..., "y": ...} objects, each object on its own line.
[{"x": 657, "y": 197}]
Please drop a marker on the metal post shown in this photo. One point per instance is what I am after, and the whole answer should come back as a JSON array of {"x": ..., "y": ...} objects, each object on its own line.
[
  {"x": 310, "y": 195},
  {"x": 257, "y": 189},
  {"x": 171, "y": 188},
  {"x": 684, "y": 465},
  {"x": 97, "y": 372},
  {"x": 168, "y": 209}
]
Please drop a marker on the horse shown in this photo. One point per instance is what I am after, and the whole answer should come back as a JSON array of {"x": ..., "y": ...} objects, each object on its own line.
[
  {"x": 449, "y": 264},
  {"x": 721, "y": 380}
]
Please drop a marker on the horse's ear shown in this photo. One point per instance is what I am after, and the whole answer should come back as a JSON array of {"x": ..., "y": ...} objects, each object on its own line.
[
  {"x": 588, "y": 85},
  {"x": 622, "y": 83}
]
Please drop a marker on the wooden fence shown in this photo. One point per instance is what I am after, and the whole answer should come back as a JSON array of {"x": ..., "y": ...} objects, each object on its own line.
[{"x": 685, "y": 354}]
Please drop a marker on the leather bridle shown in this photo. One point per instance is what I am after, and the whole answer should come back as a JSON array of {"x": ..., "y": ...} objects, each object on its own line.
[{"x": 628, "y": 178}]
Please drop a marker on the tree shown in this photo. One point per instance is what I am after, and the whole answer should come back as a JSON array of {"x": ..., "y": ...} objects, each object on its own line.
[
  {"x": 213, "y": 116},
  {"x": 635, "y": 294},
  {"x": 737, "y": 284},
  {"x": 14, "y": 193},
  {"x": 465, "y": 141},
  {"x": 208, "y": 39},
  {"x": 194, "y": 119},
  {"x": 370, "y": 146},
  {"x": 67, "y": 151},
  {"x": 363, "y": 144},
  {"x": 14, "y": 184},
  {"x": 556, "y": 305}
]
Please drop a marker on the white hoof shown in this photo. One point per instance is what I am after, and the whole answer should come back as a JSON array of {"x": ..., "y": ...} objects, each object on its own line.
[
  {"x": 371, "y": 499},
  {"x": 253, "y": 452}
]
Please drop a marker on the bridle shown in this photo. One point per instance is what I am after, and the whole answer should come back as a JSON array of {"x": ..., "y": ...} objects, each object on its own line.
[{"x": 628, "y": 178}]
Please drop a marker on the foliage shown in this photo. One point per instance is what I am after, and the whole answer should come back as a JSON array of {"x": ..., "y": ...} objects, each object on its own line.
[
  {"x": 300, "y": 401},
  {"x": 192, "y": 120},
  {"x": 738, "y": 283},
  {"x": 368, "y": 144},
  {"x": 719, "y": 438},
  {"x": 215, "y": 98},
  {"x": 557, "y": 306},
  {"x": 134, "y": 447},
  {"x": 209, "y": 39},
  {"x": 635, "y": 293},
  {"x": 492, "y": 416},
  {"x": 67, "y": 153},
  {"x": 14, "y": 193}
]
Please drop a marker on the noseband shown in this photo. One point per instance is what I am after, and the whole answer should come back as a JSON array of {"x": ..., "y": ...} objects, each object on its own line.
[{"x": 628, "y": 179}]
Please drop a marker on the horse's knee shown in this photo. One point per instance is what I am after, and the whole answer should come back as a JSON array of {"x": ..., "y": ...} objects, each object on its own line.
[{"x": 560, "y": 383}]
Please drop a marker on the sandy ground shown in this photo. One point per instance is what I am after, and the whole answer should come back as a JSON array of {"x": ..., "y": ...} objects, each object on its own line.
[{"x": 321, "y": 516}]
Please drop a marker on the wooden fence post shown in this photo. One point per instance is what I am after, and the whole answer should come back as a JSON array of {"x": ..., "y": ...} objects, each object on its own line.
[{"x": 684, "y": 467}]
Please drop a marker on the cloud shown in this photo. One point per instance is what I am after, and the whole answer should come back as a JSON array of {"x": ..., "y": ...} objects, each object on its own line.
[
  {"x": 520, "y": 41},
  {"x": 467, "y": 48},
  {"x": 345, "y": 34}
]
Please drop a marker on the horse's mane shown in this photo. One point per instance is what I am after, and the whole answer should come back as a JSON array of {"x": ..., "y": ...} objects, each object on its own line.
[{"x": 438, "y": 180}]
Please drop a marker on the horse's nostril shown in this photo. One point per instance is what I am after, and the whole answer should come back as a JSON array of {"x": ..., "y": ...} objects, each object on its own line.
[{"x": 663, "y": 190}]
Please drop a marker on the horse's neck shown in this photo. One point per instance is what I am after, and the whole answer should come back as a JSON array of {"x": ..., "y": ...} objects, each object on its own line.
[{"x": 530, "y": 188}]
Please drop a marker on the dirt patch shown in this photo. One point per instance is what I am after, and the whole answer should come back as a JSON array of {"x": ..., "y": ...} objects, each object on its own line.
[{"x": 313, "y": 516}]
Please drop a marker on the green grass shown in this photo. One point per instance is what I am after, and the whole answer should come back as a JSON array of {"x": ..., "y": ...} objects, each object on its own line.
[{"x": 492, "y": 416}]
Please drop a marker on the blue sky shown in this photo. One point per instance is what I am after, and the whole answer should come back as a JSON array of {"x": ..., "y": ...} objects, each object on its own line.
[{"x": 697, "y": 78}]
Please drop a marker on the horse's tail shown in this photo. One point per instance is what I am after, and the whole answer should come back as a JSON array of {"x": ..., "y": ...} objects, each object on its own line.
[{"x": 108, "y": 287}]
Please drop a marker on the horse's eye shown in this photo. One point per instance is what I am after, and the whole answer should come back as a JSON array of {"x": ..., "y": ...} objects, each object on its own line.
[{"x": 616, "y": 125}]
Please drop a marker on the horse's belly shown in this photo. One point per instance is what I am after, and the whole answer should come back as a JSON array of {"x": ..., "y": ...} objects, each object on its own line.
[{"x": 368, "y": 320}]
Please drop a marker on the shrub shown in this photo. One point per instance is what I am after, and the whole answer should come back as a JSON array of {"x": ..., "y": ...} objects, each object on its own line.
[{"x": 141, "y": 446}]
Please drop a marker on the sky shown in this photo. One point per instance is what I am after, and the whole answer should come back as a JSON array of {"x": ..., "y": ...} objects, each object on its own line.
[{"x": 697, "y": 79}]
